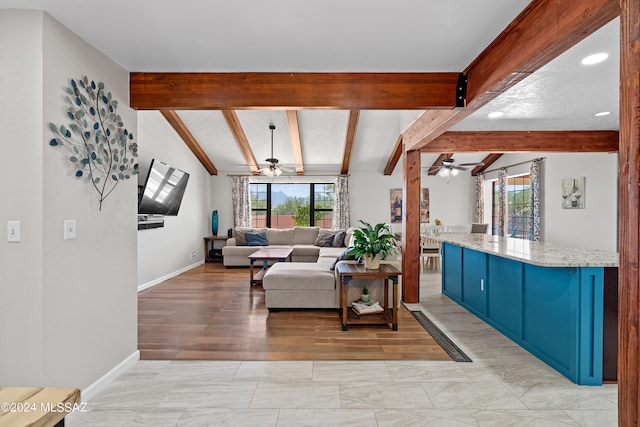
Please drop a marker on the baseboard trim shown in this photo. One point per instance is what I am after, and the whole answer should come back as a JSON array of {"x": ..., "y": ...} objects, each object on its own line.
[
  {"x": 107, "y": 378},
  {"x": 168, "y": 276}
]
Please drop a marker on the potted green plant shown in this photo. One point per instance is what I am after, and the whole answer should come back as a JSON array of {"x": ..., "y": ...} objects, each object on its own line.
[
  {"x": 372, "y": 243},
  {"x": 364, "y": 297}
]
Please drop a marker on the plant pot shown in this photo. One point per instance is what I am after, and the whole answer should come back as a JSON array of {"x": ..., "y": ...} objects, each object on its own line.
[
  {"x": 371, "y": 262},
  {"x": 365, "y": 298}
]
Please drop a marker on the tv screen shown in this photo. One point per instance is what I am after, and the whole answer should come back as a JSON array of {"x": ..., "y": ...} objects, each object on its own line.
[{"x": 163, "y": 190}]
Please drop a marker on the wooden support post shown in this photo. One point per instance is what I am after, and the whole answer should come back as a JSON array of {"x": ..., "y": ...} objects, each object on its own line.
[
  {"x": 629, "y": 200},
  {"x": 411, "y": 228}
]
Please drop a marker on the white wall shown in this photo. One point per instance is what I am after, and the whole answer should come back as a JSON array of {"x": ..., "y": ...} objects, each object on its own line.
[
  {"x": 594, "y": 227},
  {"x": 21, "y": 265},
  {"x": 69, "y": 307},
  {"x": 451, "y": 202},
  {"x": 167, "y": 251}
]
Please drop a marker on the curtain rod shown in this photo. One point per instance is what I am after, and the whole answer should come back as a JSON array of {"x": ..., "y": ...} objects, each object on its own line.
[{"x": 515, "y": 164}]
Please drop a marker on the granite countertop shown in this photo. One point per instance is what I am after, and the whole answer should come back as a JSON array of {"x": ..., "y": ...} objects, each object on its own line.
[{"x": 536, "y": 253}]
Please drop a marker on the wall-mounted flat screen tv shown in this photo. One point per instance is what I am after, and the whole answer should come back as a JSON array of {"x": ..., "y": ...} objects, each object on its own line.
[{"x": 163, "y": 190}]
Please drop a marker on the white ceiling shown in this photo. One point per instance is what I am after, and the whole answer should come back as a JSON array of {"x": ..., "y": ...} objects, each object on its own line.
[{"x": 338, "y": 35}]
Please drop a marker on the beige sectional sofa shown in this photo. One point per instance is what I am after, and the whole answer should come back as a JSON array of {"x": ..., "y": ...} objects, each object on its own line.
[{"x": 303, "y": 240}]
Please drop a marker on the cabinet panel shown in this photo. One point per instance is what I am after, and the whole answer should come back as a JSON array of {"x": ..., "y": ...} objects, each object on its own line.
[
  {"x": 504, "y": 294},
  {"x": 474, "y": 279},
  {"x": 452, "y": 271}
]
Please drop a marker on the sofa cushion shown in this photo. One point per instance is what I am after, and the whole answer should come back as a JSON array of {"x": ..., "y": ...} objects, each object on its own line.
[
  {"x": 324, "y": 239},
  {"x": 240, "y": 234},
  {"x": 305, "y": 235},
  {"x": 277, "y": 236},
  {"x": 306, "y": 250},
  {"x": 256, "y": 239},
  {"x": 338, "y": 239}
]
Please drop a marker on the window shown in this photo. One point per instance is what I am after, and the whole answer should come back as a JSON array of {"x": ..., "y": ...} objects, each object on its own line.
[
  {"x": 518, "y": 206},
  {"x": 288, "y": 205}
]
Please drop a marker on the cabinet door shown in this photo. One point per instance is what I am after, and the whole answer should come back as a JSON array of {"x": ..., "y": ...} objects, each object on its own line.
[
  {"x": 504, "y": 296},
  {"x": 452, "y": 271},
  {"x": 474, "y": 277}
]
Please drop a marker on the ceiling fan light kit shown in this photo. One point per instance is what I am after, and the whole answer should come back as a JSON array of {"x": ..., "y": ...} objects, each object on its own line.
[{"x": 273, "y": 168}]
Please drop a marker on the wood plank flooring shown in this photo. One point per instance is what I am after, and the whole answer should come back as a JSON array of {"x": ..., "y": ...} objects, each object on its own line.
[{"x": 210, "y": 313}]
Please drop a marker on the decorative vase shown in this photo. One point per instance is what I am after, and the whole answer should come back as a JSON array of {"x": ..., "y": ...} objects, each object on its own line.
[
  {"x": 371, "y": 262},
  {"x": 214, "y": 223},
  {"x": 365, "y": 298}
]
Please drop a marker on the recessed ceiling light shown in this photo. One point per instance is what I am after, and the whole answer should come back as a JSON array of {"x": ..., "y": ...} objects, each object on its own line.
[
  {"x": 495, "y": 114},
  {"x": 595, "y": 58},
  {"x": 602, "y": 113}
]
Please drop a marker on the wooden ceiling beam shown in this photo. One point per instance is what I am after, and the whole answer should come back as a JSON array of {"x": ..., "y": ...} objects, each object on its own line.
[
  {"x": 241, "y": 139},
  {"x": 539, "y": 34},
  {"x": 296, "y": 146},
  {"x": 183, "y": 132},
  {"x": 349, "y": 91},
  {"x": 588, "y": 141},
  {"x": 488, "y": 161},
  {"x": 395, "y": 157},
  {"x": 433, "y": 169},
  {"x": 348, "y": 145}
]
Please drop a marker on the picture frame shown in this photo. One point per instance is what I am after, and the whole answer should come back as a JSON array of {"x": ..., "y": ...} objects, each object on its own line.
[{"x": 573, "y": 193}]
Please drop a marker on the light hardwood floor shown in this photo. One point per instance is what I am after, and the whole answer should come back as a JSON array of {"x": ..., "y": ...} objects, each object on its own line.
[{"x": 210, "y": 313}]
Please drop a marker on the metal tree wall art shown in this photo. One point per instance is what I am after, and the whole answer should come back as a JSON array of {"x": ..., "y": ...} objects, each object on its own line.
[{"x": 100, "y": 148}]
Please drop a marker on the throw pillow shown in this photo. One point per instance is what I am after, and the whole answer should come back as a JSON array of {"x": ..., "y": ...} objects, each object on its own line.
[
  {"x": 257, "y": 239},
  {"x": 344, "y": 256},
  {"x": 338, "y": 239},
  {"x": 240, "y": 233},
  {"x": 324, "y": 239}
]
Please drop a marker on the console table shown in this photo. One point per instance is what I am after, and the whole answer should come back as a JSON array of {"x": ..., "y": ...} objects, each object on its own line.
[
  {"x": 36, "y": 406},
  {"x": 210, "y": 243},
  {"x": 386, "y": 272}
]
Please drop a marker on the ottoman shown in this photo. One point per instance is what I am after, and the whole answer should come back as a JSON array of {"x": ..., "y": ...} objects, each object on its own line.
[{"x": 300, "y": 285}]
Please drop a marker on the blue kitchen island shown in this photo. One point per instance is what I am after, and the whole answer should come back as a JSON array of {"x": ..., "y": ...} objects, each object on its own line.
[{"x": 557, "y": 302}]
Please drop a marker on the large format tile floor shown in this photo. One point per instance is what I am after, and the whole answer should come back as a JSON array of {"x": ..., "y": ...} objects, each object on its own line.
[{"x": 504, "y": 385}]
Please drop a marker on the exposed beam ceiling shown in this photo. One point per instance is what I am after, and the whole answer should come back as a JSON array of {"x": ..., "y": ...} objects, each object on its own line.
[
  {"x": 395, "y": 157},
  {"x": 238, "y": 133},
  {"x": 488, "y": 161},
  {"x": 182, "y": 131},
  {"x": 371, "y": 91},
  {"x": 603, "y": 141},
  {"x": 294, "y": 130},
  {"x": 433, "y": 169},
  {"x": 544, "y": 30},
  {"x": 348, "y": 144}
]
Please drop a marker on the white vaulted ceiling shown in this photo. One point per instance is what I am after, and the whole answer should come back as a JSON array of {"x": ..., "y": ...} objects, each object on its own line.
[{"x": 333, "y": 36}]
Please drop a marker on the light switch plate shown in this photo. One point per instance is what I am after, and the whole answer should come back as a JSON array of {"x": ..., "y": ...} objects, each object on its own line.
[
  {"x": 13, "y": 231},
  {"x": 69, "y": 229}
]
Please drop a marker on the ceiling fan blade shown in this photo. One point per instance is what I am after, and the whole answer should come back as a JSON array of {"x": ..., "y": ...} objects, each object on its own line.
[
  {"x": 472, "y": 164},
  {"x": 460, "y": 168}
]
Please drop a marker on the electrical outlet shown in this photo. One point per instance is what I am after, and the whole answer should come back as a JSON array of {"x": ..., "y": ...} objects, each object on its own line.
[
  {"x": 69, "y": 229},
  {"x": 193, "y": 255}
]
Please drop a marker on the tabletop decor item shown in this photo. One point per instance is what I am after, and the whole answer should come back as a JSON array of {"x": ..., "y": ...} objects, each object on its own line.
[
  {"x": 214, "y": 223},
  {"x": 372, "y": 243},
  {"x": 365, "y": 297},
  {"x": 99, "y": 147}
]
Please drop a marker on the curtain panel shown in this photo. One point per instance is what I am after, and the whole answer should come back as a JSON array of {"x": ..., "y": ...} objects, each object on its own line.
[
  {"x": 341, "y": 215},
  {"x": 479, "y": 194},
  {"x": 241, "y": 201},
  {"x": 534, "y": 200},
  {"x": 502, "y": 202}
]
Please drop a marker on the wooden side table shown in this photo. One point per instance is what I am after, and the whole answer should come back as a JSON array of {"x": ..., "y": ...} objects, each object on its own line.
[
  {"x": 210, "y": 243},
  {"x": 388, "y": 273}
]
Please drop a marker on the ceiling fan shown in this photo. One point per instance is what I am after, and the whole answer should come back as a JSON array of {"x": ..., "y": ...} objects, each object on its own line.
[
  {"x": 273, "y": 168},
  {"x": 449, "y": 167}
]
